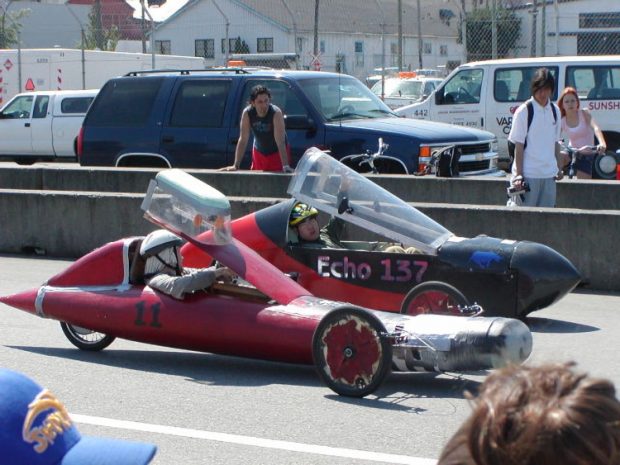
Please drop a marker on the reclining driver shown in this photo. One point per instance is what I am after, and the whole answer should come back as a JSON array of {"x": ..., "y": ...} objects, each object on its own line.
[
  {"x": 303, "y": 220},
  {"x": 164, "y": 270}
]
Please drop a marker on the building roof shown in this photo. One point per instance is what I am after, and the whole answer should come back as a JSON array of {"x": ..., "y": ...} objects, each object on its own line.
[{"x": 345, "y": 16}]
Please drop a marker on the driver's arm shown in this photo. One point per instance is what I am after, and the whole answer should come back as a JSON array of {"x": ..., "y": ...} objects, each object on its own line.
[{"x": 178, "y": 286}]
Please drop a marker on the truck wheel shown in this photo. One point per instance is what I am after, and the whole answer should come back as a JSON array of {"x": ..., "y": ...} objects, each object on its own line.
[
  {"x": 434, "y": 297},
  {"x": 86, "y": 339},
  {"x": 351, "y": 351}
]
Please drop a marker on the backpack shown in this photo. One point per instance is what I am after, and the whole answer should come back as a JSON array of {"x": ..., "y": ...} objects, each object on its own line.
[
  {"x": 448, "y": 162},
  {"x": 530, "y": 117}
]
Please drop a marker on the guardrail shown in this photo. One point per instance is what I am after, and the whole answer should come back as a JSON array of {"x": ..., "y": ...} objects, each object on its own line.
[{"x": 588, "y": 195}]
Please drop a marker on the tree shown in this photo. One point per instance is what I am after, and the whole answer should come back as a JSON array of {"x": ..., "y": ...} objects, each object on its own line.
[
  {"x": 10, "y": 27},
  {"x": 480, "y": 35},
  {"x": 97, "y": 36},
  {"x": 240, "y": 46}
]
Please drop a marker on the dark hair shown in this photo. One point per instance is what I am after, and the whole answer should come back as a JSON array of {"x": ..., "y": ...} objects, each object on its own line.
[
  {"x": 565, "y": 92},
  {"x": 257, "y": 90},
  {"x": 539, "y": 415},
  {"x": 542, "y": 79}
]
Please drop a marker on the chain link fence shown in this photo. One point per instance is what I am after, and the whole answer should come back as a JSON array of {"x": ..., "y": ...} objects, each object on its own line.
[{"x": 358, "y": 38}]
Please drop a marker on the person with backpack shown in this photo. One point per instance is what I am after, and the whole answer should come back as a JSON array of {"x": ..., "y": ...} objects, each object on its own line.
[{"x": 535, "y": 134}]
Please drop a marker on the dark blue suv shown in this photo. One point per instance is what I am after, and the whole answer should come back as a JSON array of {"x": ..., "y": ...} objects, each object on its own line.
[{"x": 190, "y": 119}]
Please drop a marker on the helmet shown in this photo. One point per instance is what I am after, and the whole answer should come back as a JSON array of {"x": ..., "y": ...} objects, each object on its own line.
[
  {"x": 301, "y": 212},
  {"x": 157, "y": 241}
]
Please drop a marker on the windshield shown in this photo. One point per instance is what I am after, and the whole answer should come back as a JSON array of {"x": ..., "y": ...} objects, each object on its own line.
[
  {"x": 338, "y": 98},
  {"x": 188, "y": 207},
  {"x": 323, "y": 182}
]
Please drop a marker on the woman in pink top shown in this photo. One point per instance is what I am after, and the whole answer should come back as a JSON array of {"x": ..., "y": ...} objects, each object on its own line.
[{"x": 580, "y": 128}]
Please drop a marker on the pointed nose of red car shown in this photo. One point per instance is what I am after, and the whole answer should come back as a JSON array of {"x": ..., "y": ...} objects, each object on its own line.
[{"x": 25, "y": 301}]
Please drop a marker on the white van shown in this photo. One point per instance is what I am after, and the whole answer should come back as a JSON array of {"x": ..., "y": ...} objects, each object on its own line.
[{"x": 485, "y": 94}]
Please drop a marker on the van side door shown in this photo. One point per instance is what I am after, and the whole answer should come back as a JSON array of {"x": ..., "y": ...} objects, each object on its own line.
[
  {"x": 15, "y": 130},
  {"x": 195, "y": 128},
  {"x": 458, "y": 100},
  {"x": 301, "y": 129},
  {"x": 510, "y": 87},
  {"x": 598, "y": 87}
]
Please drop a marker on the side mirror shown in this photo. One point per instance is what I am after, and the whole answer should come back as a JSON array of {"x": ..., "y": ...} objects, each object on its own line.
[
  {"x": 439, "y": 96},
  {"x": 299, "y": 122}
]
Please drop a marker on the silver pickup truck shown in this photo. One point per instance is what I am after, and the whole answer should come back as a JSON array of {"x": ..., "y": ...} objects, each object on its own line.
[{"x": 44, "y": 125}]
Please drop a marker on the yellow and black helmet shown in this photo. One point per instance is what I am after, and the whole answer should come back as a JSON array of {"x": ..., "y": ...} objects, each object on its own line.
[{"x": 301, "y": 212}]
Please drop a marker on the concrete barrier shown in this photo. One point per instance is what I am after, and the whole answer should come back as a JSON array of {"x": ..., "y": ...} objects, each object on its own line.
[
  {"x": 588, "y": 195},
  {"x": 69, "y": 224}
]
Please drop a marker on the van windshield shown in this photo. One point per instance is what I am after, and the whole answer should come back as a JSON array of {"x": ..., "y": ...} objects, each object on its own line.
[{"x": 339, "y": 98}]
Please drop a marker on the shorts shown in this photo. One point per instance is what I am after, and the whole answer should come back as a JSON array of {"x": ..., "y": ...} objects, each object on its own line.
[
  {"x": 268, "y": 162},
  {"x": 585, "y": 164}
]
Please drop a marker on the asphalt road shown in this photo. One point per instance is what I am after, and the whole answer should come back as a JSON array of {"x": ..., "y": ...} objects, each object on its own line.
[{"x": 208, "y": 409}]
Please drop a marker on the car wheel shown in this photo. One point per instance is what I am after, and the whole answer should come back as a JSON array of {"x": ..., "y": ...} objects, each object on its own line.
[
  {"x": 86, "y": 339},
  {"x": 434, "y": 297},
  {"x": 351, "y": 351}
]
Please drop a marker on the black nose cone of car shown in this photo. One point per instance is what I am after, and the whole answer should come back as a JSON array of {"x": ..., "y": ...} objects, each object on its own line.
[{"x": 544, "y": 275}]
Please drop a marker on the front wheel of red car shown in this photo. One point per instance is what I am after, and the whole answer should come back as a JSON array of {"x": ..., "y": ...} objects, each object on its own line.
[
  {"x": 86, "y": 339},
  {"x": 434, "y": 297},
  {"x": 351, "y": 351}
]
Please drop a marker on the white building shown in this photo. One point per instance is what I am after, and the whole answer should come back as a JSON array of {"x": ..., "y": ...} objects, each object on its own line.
[
  {"x": 568, "y": 27},
  {"x": 352, "y": 34}
]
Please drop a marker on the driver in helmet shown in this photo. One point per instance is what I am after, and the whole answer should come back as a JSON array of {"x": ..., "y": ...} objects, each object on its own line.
[
  {"x": 304, "y": 221},
  {"x": 164, "y": 270}
]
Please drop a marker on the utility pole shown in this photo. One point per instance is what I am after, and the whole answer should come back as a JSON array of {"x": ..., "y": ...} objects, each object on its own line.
[
  {"x": 419, "y": 36},
  {"x": 400, "y": 35},
  {"x": 315, "y": 49}
]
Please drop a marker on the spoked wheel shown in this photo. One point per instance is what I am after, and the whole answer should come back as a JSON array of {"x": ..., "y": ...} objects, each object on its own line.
[
  {"x": 434, "y": 297},
  {"x": 86, "y": 339},
  {"x": 351, "y": 351}
]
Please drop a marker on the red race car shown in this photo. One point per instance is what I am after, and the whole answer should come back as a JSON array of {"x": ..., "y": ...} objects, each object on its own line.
[
  {"x": 267, "y": 316},
  {"x": 444, "y": 274}
]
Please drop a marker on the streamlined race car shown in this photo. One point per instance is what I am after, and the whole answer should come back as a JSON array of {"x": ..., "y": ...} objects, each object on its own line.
[
  {"x": 266, "y": 315},
  {"x": 446, "y": 274}
]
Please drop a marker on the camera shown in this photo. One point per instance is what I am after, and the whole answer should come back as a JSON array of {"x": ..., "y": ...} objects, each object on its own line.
[{"x": 512, "y": 190}]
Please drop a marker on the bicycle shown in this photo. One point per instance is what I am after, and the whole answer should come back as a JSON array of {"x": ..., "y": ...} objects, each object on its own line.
[
  {"x": 375, "y": 163},
  {"x": 604, "y": 164}
]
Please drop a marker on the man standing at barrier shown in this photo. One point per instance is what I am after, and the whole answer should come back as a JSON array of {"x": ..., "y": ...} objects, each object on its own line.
[{"x": 535, "y": 133}]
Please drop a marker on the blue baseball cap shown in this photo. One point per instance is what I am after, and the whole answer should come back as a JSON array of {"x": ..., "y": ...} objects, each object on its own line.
[{"x": 35, "y": 429}]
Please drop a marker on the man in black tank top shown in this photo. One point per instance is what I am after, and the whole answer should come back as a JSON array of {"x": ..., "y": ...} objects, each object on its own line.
[{"x": 265, "y": 121}]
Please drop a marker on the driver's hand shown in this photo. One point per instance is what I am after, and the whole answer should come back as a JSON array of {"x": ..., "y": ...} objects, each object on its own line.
[
  {"x": 225, "y": 275},
  {"x": 601, "y": 148}
]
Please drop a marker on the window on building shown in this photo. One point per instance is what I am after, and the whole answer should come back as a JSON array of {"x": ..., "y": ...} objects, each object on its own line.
[
  {"x": 264, "y": 45},
  {"x": 443, "y": 50},
  {"x": 599, "y": 20},
  {"x": 232, "y": 45},
  {"x": 428, "y": 48},
  {"x": 359, "y": 53},
  {"x": 163, "y": 47},
  {"x": 204, "y": 48}
]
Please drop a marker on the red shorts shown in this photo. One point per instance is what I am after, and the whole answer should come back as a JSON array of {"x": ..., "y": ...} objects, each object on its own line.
[{"x": 268, "y": 162}]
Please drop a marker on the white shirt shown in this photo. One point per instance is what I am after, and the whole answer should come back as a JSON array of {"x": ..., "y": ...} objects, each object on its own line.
[{"x": 539, "y": 156}]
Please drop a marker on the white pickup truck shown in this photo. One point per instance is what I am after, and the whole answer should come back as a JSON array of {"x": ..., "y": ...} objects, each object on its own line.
[{"x": 44, "y": 125}]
